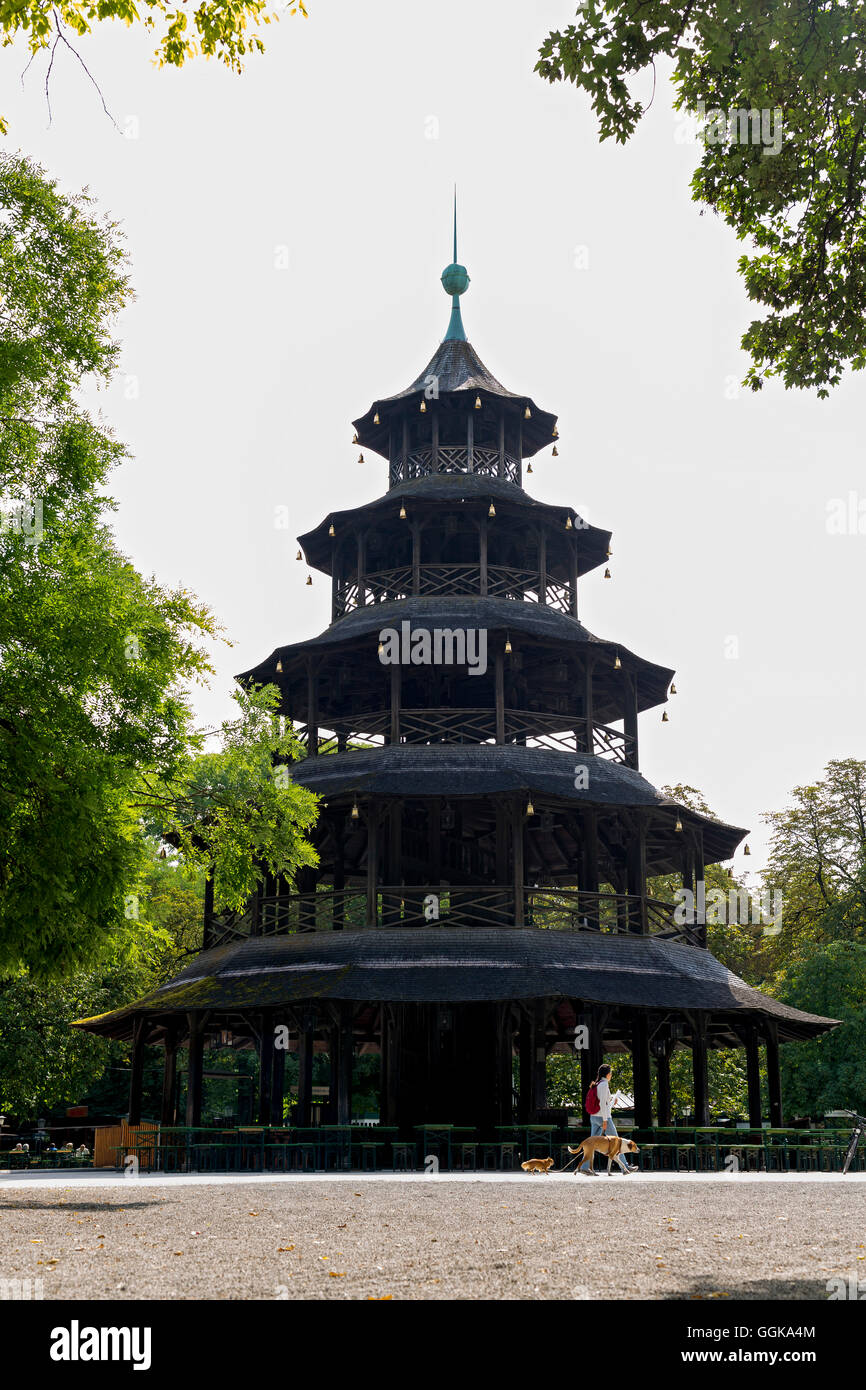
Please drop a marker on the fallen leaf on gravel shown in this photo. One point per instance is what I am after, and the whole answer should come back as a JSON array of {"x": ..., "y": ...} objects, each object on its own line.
[
  {"x": 281, "y": 1249},
  {"x": 37, "y": 1242},
  {"x": 334, "y": 1275}
]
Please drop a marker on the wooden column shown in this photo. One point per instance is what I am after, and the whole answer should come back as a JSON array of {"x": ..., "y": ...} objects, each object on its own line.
[
  {"x": 517, "y": 827},
  {"x": 483, "y": 537},
  {"x": 136, "y": 1075},
  {"x": 699, "y": 1069},
  {"x": 415, "y": 528},
  {"x": 194, "y": 1078},
  {"x": 470, "y": 442},
  {"x": 278, "y": 1084},
  {"x": 434, "y": 431},
  {"x": 435, "y": 825},
  {"x": 344, "y": 1070},
  {"x": 663, "y": 1084},
  {"x": 168, "y": 1114},
  {"x": 312, "y": 708},
  {"x": 362, "y": 568},
  {"x": 372, "y": 863},
  {"x": 636, "y": 876},
  {"x": 538, "y": 1095},
  {"x": 753, "y": 1075},
  {"x": 643, "y": 1100},
  {"x": 519, "y": 478},
  {"x": 572, "y": 573},
  {"x": 396, "y": 686},
  {"x": 630, "y": 718},
  {"x": 306, "y": 1038},
  {"x": 774, "y": 1077},
  {"x": 524, "y": 1050},
  {"x": 502, "y": 445},
  {"x": 587, "y": 704},
  {"x": 266, "y": 1065},
  {"x": 542, "y": 565},
  {"x": 499, "y": 683}
]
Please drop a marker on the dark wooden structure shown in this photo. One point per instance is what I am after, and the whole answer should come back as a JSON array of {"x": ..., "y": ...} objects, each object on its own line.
[{"x": 486, "y": 837}]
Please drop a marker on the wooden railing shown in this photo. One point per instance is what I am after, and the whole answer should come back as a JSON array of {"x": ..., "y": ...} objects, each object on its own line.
[
  {"x": 451, "y": 458},
  {"x": 531, "y": 728},
  {"x": 478, "y": 906},
  {"x": 503, "y": 581}
]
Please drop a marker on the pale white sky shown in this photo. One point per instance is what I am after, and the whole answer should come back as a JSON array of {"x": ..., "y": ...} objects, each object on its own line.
[{"x": 597, "y": 288}]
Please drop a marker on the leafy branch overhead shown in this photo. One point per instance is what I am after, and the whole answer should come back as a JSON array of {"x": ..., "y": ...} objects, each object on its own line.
[
  {"x": 222, "y": 29},
  {"x": 797, "y": 202}
]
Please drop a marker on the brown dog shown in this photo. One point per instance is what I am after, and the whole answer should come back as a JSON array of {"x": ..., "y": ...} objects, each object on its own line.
[
  {"x": 611, "y": 1145},
  {"x": 537, "y": 1165}
]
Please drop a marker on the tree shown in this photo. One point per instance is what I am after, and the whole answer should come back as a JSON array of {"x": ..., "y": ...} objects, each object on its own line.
[
  {"x": 828, "y": 1073},
  {"x": 781, "y": 88},
  {"x": 214, "y": 29},
  {"x": 96, "y": 662}
]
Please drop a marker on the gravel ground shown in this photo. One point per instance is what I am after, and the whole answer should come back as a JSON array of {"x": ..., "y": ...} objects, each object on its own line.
[{"x": 511, "y": 1238}]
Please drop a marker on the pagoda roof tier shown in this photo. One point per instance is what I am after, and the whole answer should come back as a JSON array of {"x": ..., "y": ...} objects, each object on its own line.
[
  {"x": 483, "y": 770},
  {"x": 452, "y": 488},
  {"x": 537, "y": 621},
  {"x": 436, "y": 963},
  {"x": 458, "y": 372}
]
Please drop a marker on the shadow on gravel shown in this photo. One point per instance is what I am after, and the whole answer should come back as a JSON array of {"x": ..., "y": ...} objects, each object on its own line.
[
  {"x": 43, "y": 1204},
  {"x": 780, "y": 1289}
]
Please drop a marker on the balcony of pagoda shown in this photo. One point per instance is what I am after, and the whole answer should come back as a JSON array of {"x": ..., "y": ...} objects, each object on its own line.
[
  {"x": 496, "y": 462},
  {"x": 429, "y": 907},
  {"x": 529, "y": 728},
  {"x": 474, "y": 580}
]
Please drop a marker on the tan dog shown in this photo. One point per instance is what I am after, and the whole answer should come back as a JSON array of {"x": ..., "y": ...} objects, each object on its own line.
[
  {"x": 537, "y": 1165},
  {"x": 611, "y": 1145}
]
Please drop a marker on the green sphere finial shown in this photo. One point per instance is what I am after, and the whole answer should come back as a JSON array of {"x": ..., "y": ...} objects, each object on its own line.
[{"x": 455, "y": 280}]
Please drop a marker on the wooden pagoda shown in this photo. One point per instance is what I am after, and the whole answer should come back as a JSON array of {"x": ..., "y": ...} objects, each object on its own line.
[{"x": 486, "y": 836}]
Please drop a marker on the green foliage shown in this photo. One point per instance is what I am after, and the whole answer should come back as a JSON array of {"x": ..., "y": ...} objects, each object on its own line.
[
  {"x": 222, "y": 29},
  {"x": 797, "y": 201},
  {"x": 828, "y": 1073}
]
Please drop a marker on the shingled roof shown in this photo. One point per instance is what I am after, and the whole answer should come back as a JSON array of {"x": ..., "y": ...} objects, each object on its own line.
[{"x": 451, "y": 964}]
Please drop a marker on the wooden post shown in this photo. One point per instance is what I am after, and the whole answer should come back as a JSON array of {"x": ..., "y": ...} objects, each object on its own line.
[
  {"x": 588, "y": 738},
  {"x": 483, "y": 536},
  {"x": 136, "y": 1075},
  {"x": 362, "y": 568},
  {"x": 572, "y": 574},
  {"x": 630, "y": 719},
  {"x": 502, "y": 445},
  {"x": 168, "y": 1114},
  {"x": 636, "y": 879},
  {"x": 774, "y": 1077},
  {"x": 643, "y": 1100},
  {"x": 346, "y": 1057},
  {"x": 470, "y": 442},
  {"x": 194, "y": 1079},
  {"x": 396, "y": 685},
  {"x": 499, "y": 684},
  {"x": 435, "y": 439},
  {"x": 699, "y": 1069},
  {"x": 405, "y": 447},
  {"x": 524, "y": 1048},
  {"x": 538, "y": 1098},
  {"x": 663, "y": 1085},
  {"x": 306, "y": 1039},
  {"x": 372, "y": 863},
  {"x": 266, "y": 1065},
  {"x": 278, "y": 1084},
  {"x": 416, "y": 556},
  {"x": 517, "y": 826},
  {"x": 312, "y": 708},
  {"x": 753, "y": 1075},
  {"x": 542, "y": 565}
]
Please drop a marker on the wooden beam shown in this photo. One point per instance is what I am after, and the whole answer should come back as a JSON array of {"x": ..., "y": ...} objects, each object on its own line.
[
  {"x": 196, "y": 1023},
  {"x": 641, "y": 1070}
]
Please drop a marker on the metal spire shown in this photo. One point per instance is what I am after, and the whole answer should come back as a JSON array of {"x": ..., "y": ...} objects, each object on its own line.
[{"x": 455, "y": 282}]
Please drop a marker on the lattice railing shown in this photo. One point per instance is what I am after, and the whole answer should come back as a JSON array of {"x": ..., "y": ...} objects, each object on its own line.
[
  {"x": 455, "y": 458},
  {"x": 478, "y": 906},
  {"x": 503, "y": 581}
]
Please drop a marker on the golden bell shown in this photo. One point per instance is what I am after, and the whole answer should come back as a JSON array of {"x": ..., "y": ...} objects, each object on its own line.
[
  {"x": 355, "y": 439},
  {"x": 569, "y": 525},
  {"x": 423, "y": 407},
  {"x": 279, "y": 668},
  {"x": 665, "y": 719},
  {"x": 355, "y": 811},
  {"x": 527, "y": 414},
  {"x": 554, "y": 453},
  {"x": 609, "y": 552},
  {"x": 679, "y": 826},
  {"x": 299, "y": 556},
  {"x": 360, "y": 458},
  {"x": 508, "y": 646},
  {"x": 309, "y": 579},
  {"x": 477, "y": 402},
  {"x": 381, "y": 648},
  {"x": 529, "y": 468},
  {"x": 376, "y": 418},
  {"x": 530, "y": 809},
  {"x": 746, "y": 850},
  {"x": 402, "y": 512},
  {"x": 331, "y": 531},
  {"x": 555, "y": 434},
  {"x": 673, "y": 690},
  {"x": 617, "y": 665},
  {"x": 607, "y": 573},
  {"x": 491, "y": 510}
]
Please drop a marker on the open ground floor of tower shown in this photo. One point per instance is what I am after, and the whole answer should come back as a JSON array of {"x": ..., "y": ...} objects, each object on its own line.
[{"x": 351, "y": 1236}]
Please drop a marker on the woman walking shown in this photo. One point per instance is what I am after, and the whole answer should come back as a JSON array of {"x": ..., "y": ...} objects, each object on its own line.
[{"x": 597, "y": 1106}]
